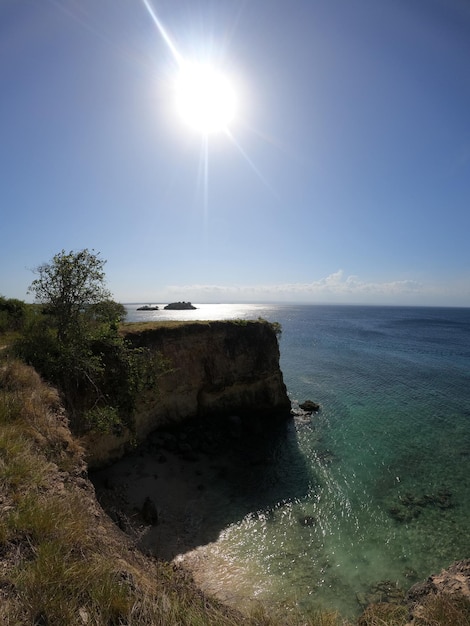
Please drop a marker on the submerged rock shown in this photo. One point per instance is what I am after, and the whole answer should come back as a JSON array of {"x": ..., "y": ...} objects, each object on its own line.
[{"x": 409, "y": 506}]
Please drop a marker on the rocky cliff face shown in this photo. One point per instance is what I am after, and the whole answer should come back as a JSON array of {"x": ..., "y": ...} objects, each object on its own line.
[
  {"x": 453, "y": 583},
  {"x": 217, "y": 369}
]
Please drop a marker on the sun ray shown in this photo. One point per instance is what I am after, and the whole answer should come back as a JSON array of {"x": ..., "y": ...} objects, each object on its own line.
[
  {"x": 205, "y": 146},
  {"x": 250, "y": 163},
  {"x": 161, "y": 29},
  {"x": 203, "y": 173}
]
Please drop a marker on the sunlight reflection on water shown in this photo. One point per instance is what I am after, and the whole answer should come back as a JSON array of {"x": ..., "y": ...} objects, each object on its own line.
[{"x": 202, "y": 312}]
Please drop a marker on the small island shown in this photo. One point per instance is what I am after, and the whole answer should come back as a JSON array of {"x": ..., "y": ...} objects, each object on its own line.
[
  {"x": 148, "y": 307},
  {"x": 179, "y": 306}
]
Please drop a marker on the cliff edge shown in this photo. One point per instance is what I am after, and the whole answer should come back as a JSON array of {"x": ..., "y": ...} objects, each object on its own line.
[{"x": 215, "y": 369}]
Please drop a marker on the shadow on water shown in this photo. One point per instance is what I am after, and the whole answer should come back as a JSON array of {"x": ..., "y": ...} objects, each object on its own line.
[{"x": 182, "y": 487}]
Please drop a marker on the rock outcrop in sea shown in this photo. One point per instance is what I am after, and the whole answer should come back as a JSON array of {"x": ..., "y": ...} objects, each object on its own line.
[{"x": 180, "y": 306}]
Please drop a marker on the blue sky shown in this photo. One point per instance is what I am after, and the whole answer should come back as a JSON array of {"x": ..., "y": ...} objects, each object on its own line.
[{"x": 345, "y": 176}]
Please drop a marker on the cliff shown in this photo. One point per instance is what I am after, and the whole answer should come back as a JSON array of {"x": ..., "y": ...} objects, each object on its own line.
[{"x": 213, "y": 370}]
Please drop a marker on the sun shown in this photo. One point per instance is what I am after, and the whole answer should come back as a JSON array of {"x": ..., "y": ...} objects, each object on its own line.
[{"x": 205, "y": 98}]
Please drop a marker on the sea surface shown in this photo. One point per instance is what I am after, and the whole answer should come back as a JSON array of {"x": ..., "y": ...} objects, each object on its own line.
[{"x": 383, "y": 469}]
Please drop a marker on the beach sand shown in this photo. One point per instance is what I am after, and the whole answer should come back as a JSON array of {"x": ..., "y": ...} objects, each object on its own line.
[
  {"x": 184, "y": 495},
  {"x": 176, "y": 494}
]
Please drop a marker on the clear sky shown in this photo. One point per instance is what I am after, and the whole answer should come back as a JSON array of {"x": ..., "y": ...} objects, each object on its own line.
[{"x": 344, "y": 175}]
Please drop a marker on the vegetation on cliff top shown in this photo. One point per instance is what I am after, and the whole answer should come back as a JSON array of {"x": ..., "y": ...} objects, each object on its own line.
[{"x": 127, "y": 328}]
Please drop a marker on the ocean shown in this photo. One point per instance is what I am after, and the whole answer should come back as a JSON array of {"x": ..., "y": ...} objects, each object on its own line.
[{"x": 373, "y": 488}]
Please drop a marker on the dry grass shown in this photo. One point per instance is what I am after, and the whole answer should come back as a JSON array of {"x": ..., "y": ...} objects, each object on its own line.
[
  {"x": 130, "y": 328},
  {"x": 384, "y": 614},
  {"x": 436, "y": 610},
  {"x": 444, "y": 610}
]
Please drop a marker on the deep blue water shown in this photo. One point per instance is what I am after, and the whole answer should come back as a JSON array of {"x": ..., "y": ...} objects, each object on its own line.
[{"x": 387, "y": 458}]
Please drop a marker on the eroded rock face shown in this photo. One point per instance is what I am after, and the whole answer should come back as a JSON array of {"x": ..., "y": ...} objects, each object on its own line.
[
  {"x": 219, "y": 369},
  {"x": 454, "y": 580},
  {"x": 450, "y": 589}
]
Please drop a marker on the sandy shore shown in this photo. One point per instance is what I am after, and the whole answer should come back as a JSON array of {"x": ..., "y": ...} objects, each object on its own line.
[
  {"x": 178, "y": 492},
  {"x": 166, "y": 500},
  {"x": 182, "y": 488}
]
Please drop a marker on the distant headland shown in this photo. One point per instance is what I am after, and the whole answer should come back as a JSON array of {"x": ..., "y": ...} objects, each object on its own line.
[
  {"x": 179, "y": 306},
  {"x": 148, "y": 307}
]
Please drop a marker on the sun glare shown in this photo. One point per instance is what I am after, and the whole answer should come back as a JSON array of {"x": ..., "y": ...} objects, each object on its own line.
[{"x": 205, "y": 99}]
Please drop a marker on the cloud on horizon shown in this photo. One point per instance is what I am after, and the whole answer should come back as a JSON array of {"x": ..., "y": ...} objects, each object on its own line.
[{"x": 335, "y": 288}]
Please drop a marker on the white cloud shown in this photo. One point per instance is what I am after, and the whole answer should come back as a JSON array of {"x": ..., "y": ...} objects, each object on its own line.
[{"x": 335, "y": 288}]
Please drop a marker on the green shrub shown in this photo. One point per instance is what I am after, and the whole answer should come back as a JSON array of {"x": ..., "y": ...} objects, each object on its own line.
[
  {"x": 13, "y": 314},
  {"x": 104, "y": 419}
]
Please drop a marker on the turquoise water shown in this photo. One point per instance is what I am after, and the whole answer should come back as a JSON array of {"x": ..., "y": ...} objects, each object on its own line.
[{"x": 385, "y": 493}]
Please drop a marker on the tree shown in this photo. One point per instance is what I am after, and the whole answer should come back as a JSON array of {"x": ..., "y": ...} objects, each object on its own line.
[
  {"x": 64, "y": 343},
  {"x": 68, "y": 285},
  {"x": 106, "y": 311},
  {"x": 76, "y": 345}
]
